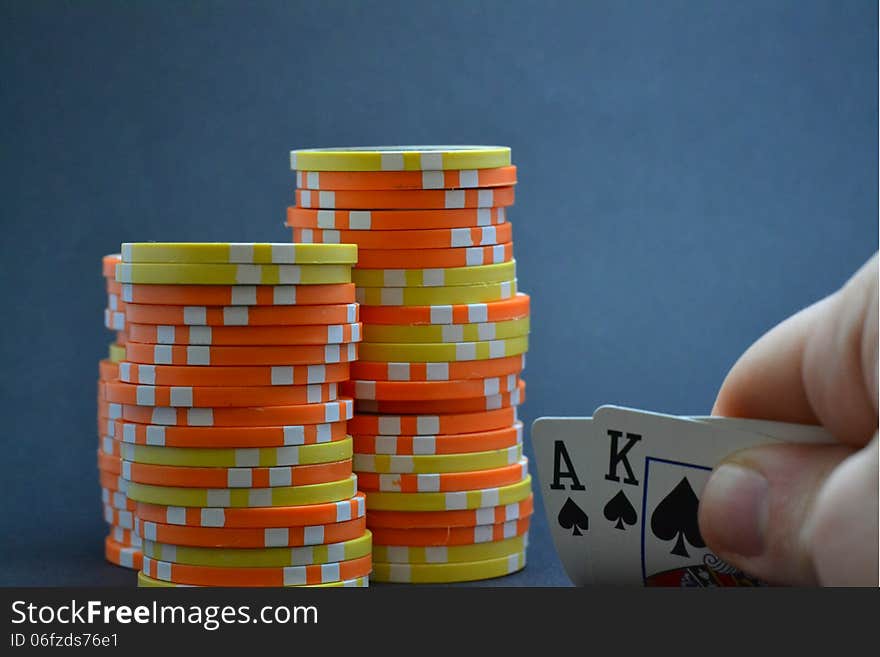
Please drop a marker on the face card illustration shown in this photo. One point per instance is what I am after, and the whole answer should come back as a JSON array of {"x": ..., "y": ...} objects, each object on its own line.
[
  {"x": 659, "y": 464},
  {"x": 561, "y": 446}
]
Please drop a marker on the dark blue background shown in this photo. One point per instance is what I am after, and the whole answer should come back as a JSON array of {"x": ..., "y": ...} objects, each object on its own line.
[{"x": 690, "y": 174}]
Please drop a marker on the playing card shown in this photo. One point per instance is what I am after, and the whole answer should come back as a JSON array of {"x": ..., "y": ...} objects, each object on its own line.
[
  {"x": 784, "y": 431},
  {"x": 561, "y": 447},
  {"x": 599, "y": 481},
  {"x": 656, "y": 465}
]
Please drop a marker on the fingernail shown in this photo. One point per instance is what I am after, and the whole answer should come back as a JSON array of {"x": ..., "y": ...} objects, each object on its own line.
[{"x": 736, "y": 503}]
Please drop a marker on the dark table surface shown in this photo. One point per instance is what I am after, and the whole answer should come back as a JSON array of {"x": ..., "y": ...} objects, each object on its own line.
[{"x": 689, "y": 175}]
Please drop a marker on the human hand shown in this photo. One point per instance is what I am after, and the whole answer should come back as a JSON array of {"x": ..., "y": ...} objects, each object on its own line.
[{"x": 805, "y": 514}]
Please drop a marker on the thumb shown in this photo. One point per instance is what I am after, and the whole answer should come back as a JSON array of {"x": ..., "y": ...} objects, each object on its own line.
[{"x": 789, "y": 513}]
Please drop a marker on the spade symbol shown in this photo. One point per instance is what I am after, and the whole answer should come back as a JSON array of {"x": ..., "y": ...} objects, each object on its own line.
[
  {"x": 619, "y": 511},
  {"x": 676, "y": 518},
  {"x": 571, "y": 516}
]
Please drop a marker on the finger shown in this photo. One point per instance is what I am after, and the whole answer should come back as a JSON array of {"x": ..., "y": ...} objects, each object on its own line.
[
  {"x": 755, "y": 506},
  {"x": 842, "y": 532},
  {"x": 766, "y": 382},
  {"x": 817, "y": 367}
]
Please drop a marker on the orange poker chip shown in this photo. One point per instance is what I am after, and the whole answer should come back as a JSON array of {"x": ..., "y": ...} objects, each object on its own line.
[
  {"x": 238, "y": 396},
  {"x": 434, "y": 258},
  {"x": 112, "y": 482},
  {"x": 209, "y": 477},
  {"x": 233, "y": 295},
  {"x": 234, "y": 356},
  {"x": 117, "y": 500},
  {"x": 258, "y": 575},
  {"x": 450, "y": 535},
  {"x": 254, "y": 416},
  {"x": 243, "y": 316},
  {"x": 228, "y": 437},
  {"x": 328, "y": 513},
  {"x": 108, "y": 265},
  {"x": 462, "y": 443},
  {"x": 422, "y": 425},
  {"x": 396, "y": 199},
  {"x": 208, "y": 376},
  {"x": 118, "y": 517},
  {"x": 465, "y": 369},
  {"x": 467, "y": 405},
  {"x": 394, "y": 219},
  {"x": 384, "y": 180},
  {"x": 115, "y": 320},
  {"x": 106, "y": 409},
  {"x": 122, "y": 555},
  {"x": 440, "y": 238},
  {"x": 125, "y": 537},
  {"x": 245, "y": 335},
  {"x": 105, "y": 427},
  {"x": 502, "y": 310},
  {"x": 491, "y": 515},
  {"x": 109, "y": 464},
  {"x": 107, "y": 445},
  {"x": 425, "y": 390},
  {"x": 251, "y": 537},
  {"x": 444, "y": 482},
  {"x": 108, "y": 370}
]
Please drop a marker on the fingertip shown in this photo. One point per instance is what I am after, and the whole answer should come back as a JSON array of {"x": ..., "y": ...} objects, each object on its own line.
[
  {"x": 756, "y": 504},
  {"x": 766, "y": 382}
]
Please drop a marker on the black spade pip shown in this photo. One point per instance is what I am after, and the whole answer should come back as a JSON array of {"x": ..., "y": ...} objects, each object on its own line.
[
  {"x": 620, "y": 511},
  {"x": 676, "y": 518},
  {"x": 572, "y": 517}
]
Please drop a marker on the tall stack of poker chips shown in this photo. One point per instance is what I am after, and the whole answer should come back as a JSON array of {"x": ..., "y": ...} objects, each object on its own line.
[
  {"x": 121, "y": 546},
  {"x": 231, "y": 435},
  {"x": 438, "y": 447}
]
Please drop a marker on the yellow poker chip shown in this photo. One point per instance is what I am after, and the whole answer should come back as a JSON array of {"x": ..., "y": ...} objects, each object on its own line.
[
  {"x": 283, "y": 253},
  {"x": 437, "y": 573},
  {"x": 442, "y": 353},
  {"x": 230, "y": 274},
  {"x": 116, "y": 353},
  {"x": 406, "y": 554},
  {"x": 435, "y": 296},
  {"x": 400, "y": 158},
  {"x": 476, "y": 332},
  {"x": 145, "y": 581},
  {"x": 244, "y": 497},
  {"x": 437, "y": 463},
  {"x": 274, "y": 557},
  {"x": 478, "y": 275},
  {"x": 246, "y": 457},
  {"x": 455, "y": 501}
]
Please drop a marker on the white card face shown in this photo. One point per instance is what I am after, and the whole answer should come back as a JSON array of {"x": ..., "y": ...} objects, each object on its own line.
[
  {"x": 656, "y": 465},
  {"x": 561, "y": 450}
]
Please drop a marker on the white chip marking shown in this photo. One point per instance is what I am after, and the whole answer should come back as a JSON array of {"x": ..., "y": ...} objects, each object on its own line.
[
  {"x": 195, "y": 315},
  {"x": 284, "y": 295},
  {"x": 241, "y": 252},
  {"x": 243, "y": 295},
  {"x": 432, "y": 180},
  {"x": 360, "y": 220},
  {"x": 393, "y": 162}
]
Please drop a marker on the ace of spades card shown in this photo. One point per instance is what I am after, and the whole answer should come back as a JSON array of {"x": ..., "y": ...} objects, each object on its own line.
[
  {"x": 660, "y": 464},
  {"x": 561, "y": 446}
]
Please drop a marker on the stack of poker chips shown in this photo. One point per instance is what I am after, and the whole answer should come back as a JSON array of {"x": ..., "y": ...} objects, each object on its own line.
[
  {"x": 231, "y": 434},
  {"x": 121, "y": 546},
  {"x": 438, "y": 446}
]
